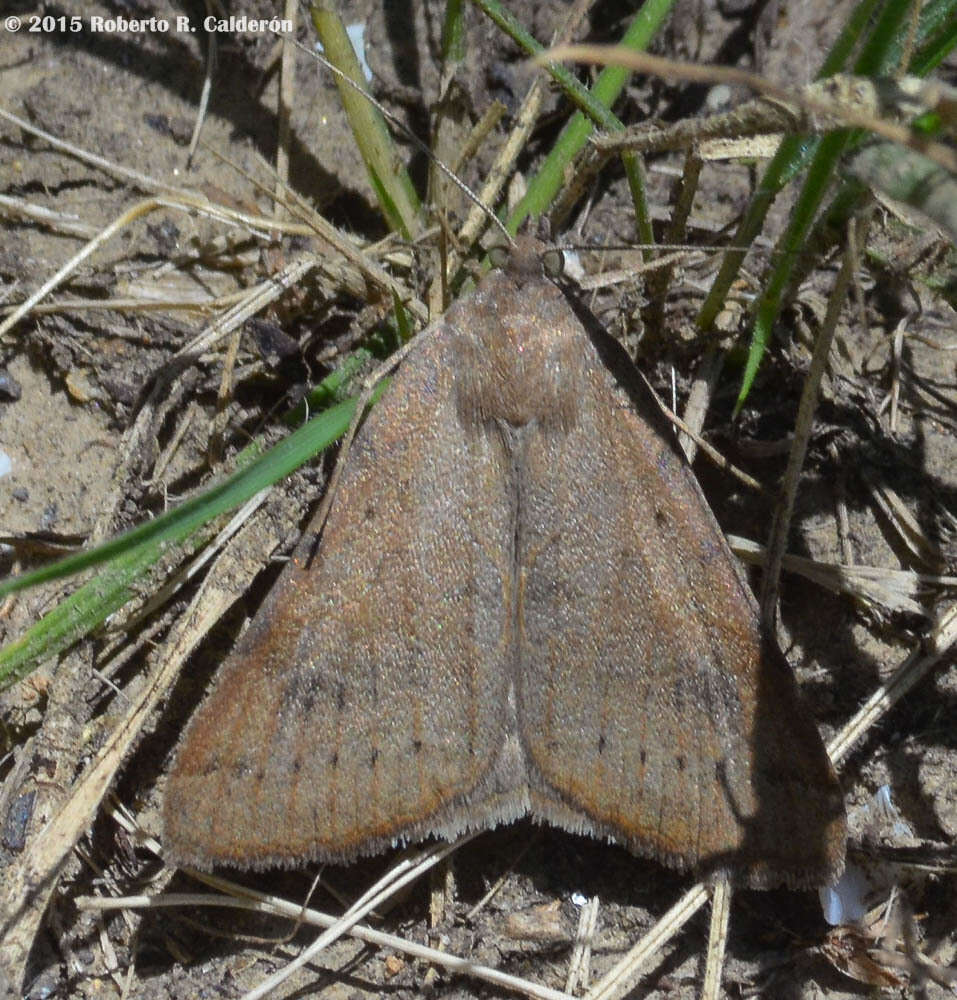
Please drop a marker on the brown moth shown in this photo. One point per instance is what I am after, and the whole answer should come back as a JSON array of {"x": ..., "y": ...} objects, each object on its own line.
[{"x": 520, "y": 604}]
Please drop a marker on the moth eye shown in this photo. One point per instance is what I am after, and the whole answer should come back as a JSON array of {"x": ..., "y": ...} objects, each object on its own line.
[
  {"x": 553, "y": 262},
  {"x": 498, "y": 255}
]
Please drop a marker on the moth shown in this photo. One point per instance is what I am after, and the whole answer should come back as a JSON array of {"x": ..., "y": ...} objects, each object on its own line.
[{"x": 520, "y": 605}]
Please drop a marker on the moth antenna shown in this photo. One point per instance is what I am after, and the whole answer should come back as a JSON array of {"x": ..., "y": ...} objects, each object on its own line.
[{"x": 417, "y": 142}]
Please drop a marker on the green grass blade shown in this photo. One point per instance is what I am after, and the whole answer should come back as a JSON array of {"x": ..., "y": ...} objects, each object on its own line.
[
  {"x": 129, "y": 557},
  {"x": 453, "y": 32},
  {"x": 878, "y": 56},
  {"x": 580, "y": 96},
  {"x": 831, "y": 224},
  {"x": 551, "y": 176},
  {"x": 827, "y": 156},
  {"x": 791, "y": 157},
  {"x": 392, "y": 185}
]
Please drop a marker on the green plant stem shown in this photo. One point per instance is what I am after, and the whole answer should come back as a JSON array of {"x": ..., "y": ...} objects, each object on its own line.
[
  {"x": 392, "y": 185},
  {"x": 550, "y": 177}
]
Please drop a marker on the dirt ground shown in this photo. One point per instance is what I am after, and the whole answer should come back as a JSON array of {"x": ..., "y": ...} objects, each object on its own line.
[{"x": 104, "y": 427}]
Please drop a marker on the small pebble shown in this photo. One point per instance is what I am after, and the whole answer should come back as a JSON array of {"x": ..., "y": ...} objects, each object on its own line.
[{"x": 9, "y": 387}]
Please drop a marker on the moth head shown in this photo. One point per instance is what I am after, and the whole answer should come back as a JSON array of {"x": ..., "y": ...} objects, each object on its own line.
[{"x": 527, "y": 258}]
